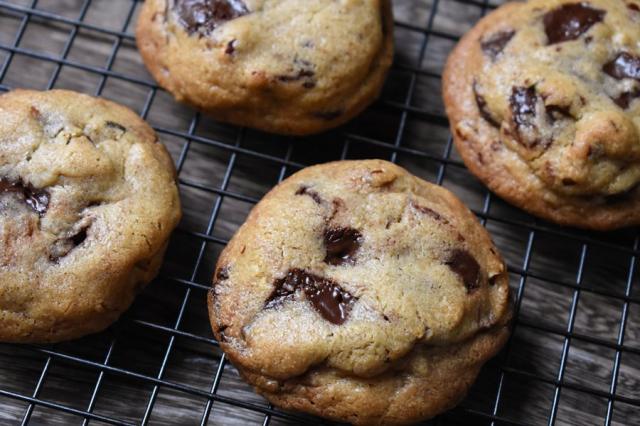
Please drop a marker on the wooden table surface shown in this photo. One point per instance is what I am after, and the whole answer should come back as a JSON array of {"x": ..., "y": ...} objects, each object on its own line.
[{"x": 159, "y": 364}]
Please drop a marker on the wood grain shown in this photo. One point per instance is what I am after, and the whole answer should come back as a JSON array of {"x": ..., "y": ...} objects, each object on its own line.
[{"x": 133, "y": 349}]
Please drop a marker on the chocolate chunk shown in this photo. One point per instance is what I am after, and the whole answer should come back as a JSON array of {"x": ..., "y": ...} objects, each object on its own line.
[
  {"x": 466, "y": 267},
  {"x": 36, "y": 199},
  {"x": 302, "y": 71},
  {"x": 326, "y": 296},
  {"x": 482, "y": 107},
  {"x": 634, "y": 7},
  {"x": 341, "y": 245},
  {"x": 523, "y": 105},
  {"x": 305, "y": 190},
  {"x": 570, "y": 21},
  {"x": 203, "y": 16},
  {"x": 493, "y": 45},
  {"x": 625, "y": 98},
  {"x": 231, "y": 47},
  {"x": 116, "y": 126},
  {"x": 79, "y": 238},
  {"x": 430, "y": 212},
  {"x": 286, "y": 78},
  {"x": 625, "y": 65}
]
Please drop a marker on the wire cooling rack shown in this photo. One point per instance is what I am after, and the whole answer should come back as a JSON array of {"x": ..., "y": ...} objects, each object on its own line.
[{"x": 574, "y": 357}]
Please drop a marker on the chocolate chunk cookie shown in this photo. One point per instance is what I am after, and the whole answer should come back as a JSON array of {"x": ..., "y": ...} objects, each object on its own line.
[
  {"x": 283, "y": 66},
  {"x": 543, "y": 99},
  {"x": 358, "y": 292},
  {"x": 87, "y": 202}
]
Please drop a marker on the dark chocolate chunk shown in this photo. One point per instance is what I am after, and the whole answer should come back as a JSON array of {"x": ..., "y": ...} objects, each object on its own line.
[
  {"x": 286, "y": 78},
  {"x": 36, "y": 199},
  {"x": 203, "y": 16},
  {"x": 523, "y": 105},
  {"x": 326, "y": 296},
  {"x": 625, "y": 65},
  {"x": 634, "y": 7},
  {"x": 570, "y": 21},
  {"x": 341, "y": 244},
  {"x": 625, "y": 98},
  {"x": 231, "y": 47},
  {"x": 430, "y": 212},
  {"x": 466, "y": 267},
  {"x": 482, "y": 107},
  {"x": 302, "y": 71},
  {"x": 79, "y": 238},
  {"x": 115, "y": 125},
  {"x": 305, "y": 190},
  {"x": 493, "y": 45}
]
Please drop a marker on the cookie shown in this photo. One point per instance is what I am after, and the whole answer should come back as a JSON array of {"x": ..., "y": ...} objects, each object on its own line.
[
  {"x": 88, "y": 199},
  {"x": 543, "y": 99},
  {"x": 357, "y": 292},
  {"x": 283, "y": 66}
]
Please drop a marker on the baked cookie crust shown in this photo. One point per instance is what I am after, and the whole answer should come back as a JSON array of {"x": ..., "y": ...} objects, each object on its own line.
[
  {"x": 88, "y": 199},
  {"x": 283, "y": 66},
  {"x": 543, "y": 99},
  {"x": 358, "y": 292}
]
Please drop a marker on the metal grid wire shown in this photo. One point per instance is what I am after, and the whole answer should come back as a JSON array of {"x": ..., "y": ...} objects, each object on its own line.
[{"x": 573, "y": 357}]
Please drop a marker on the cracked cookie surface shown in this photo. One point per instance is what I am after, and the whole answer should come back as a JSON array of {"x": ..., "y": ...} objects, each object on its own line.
[
  {"x": 358, "y": 292},
  {"x": 543, "y": 99},
  {"x": 284, "y": 66},
  {"x": 88, "y": 200}
]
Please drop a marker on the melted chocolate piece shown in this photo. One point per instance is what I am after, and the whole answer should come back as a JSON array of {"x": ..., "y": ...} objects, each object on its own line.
[
  {"x": 570, "y": 21},
  {"x": 303, "y": 72},
  {"x": 625, "y": 65},
  {"x": 36, "y": 199},
  {"x": 493, "y": 45},
  {"x": 634, "y": 7},
  {"x": 305, "y": 190},
  {"x": 79, "y": 237},
  {"x": 625, "y": 98},
  {"x": 115, "y": 125},
  {"x": 466, "y": 267},
  {"x": 325, "y": 295},
  {"x": 231, "y": 47},
  {"x": 523, "y": 105},
  {"x": 204, "y": 16},
  {"x": 430, "y": 212},
  {"x": 287, "y": 78},
  {"x": 341, "y": 245},
  {"x": 482, "y": 107}
]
